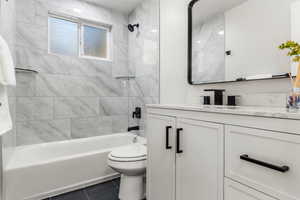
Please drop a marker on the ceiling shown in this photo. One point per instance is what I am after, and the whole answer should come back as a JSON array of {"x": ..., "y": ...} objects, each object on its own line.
[
  {"x": 125, "y": 6},
  {"x": 206, "y": 9}
]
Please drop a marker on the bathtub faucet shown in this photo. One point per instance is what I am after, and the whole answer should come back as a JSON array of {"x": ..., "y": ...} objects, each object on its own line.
[{"x": 134, "y": 128}]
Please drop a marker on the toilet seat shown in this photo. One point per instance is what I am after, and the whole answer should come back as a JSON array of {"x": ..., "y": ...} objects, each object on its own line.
[{"x": 131, "y": 153}]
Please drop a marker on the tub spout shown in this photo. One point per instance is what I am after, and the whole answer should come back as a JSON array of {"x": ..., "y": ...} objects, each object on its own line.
[{"x": 134, "y": 128}]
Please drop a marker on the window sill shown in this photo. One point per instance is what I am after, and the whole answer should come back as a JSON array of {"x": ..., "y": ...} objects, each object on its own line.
[{"x": 96, "y": 58}]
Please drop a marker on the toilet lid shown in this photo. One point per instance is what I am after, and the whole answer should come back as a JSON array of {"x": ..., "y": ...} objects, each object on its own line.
[{"x": 131, "y": 151}]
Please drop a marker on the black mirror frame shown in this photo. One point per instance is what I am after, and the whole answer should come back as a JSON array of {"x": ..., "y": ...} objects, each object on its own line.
[{"x": 190, "y": 38}]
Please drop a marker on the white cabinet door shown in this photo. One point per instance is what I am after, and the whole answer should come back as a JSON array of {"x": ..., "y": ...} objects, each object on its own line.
[
  {"x": 161, "y": 157},
  {"x": 199, "y": 160},
  {"x": 236, "y": 191}
]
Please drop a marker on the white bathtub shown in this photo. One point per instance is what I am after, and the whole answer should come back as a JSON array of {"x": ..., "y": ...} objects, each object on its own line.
[{"x": 43, "y": 170}]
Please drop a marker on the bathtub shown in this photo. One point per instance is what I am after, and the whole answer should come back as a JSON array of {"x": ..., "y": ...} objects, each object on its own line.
[{"x": 44, "y": 170}]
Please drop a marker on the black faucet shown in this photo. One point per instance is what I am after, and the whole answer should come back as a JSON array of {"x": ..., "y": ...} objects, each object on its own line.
[
  {"x": 218, "y": 95},
  {"x": 134, "y": 128}
]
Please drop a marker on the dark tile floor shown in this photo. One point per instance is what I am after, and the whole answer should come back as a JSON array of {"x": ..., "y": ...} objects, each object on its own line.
[{"x": 103, "y": 191}]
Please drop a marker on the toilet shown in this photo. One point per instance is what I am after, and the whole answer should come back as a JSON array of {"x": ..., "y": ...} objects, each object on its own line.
[{"x": 130, "y": 161}]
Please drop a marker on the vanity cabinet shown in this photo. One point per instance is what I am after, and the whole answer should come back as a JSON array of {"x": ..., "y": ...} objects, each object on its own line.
[
  {"x": 190, "y": 148},
  {"x": 181, "y": 154}
]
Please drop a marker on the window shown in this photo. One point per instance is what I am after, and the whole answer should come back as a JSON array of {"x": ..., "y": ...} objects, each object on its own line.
[
  {"x": 63, "y": 37},
  {"x": 77, "y": 38},
  {"x": 95, "y": 42}
]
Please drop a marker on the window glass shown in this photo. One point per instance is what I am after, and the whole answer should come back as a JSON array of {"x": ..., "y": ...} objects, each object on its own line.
[
  {"x": 95, "y": 42},
  {"x": 63, "y": 37}
]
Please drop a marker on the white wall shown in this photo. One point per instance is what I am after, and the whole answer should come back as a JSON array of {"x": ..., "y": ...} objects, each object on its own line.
[
  {"x": 173, "y": 47},
  {"x": 174, "y": 86},
  {"x": 295, "y": 16}
]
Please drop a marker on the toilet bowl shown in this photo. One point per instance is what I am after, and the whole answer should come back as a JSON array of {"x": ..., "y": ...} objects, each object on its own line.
[{"x": 130, "y": 162}]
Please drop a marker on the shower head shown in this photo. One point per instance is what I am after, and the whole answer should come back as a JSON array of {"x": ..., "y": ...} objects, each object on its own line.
[{"x": 132, "y": 26}]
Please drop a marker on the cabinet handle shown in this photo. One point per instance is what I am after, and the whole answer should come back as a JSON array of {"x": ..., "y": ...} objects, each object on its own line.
[
  {"x": 168, "y": 137},
  {"x": 178, "y": 140},
  {"x": 282, "y": 169}
]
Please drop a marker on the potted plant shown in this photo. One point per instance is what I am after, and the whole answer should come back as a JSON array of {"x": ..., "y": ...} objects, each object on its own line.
[{"x": 294, "y": 52}]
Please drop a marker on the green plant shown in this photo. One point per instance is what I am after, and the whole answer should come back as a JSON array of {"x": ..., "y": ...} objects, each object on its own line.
[{"x": 294, "y": 48}]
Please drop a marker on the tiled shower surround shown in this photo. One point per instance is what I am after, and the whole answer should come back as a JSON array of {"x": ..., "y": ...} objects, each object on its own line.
[{"x": 72, "y": 97}]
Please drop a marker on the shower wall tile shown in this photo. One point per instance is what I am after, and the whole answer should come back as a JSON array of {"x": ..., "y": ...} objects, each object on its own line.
[
  {"x": 26, "y": 84},
  {"x": 120, "y": 123},
  {"x": 89, "y": 127},
  {"x": 32, "y": 36},
  {"x": 144, "y": 86},
  {"x": 71, "y": 107},
  {"x": 62, "y": 101},
  {"x": 43, "y": 62},
  {"x": 54, "y": 85},
  {"x": 22, "y": 9},
  {"x": 78, "y": 86},
  {"x": 73, "y": 97},
  {"x": 90, "y": 67},
  {"x": 34, "y": 132},
  {"x": 34, "y": 108},
  {"x": 114, "y": 106}
]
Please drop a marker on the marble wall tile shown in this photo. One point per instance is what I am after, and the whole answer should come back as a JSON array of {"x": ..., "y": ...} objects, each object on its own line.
[
  {"x": 78, "y": 95},
  {"x": 77, "y": 86},
  {"x": 34, "y": 132},
  {"x": 71, "y": 107},
  {"x": 110, "y": 106},
  {"x": 26, "y": 84},
  {"x": 54, "y": 85},
  {"x": 89, "y": 127},
  {"x": 263, "y": 99},
  {"x": 43, "y": 62},
  {"x": 104, "y": 86},
  {"x": 32, "y": 36},
  {"x": 90, "y": 67},
  {"x": 34, "y": 108},
  {"x": 145, "y": 86},
  {"x": 22, "y": 8},
  {"x": 120, "y": 123}
]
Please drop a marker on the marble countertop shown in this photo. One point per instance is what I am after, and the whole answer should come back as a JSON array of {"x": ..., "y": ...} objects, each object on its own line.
[{"x": 271, "y": 112}]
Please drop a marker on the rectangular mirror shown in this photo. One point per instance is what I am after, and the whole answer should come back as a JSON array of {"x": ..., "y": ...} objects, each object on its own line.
[{"x": 237, "y": 40}]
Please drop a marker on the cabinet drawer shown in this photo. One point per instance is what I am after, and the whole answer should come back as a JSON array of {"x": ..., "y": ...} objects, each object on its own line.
[
  {"x": 236, "y": 191},
  {"x": 265, "y": 158}
]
